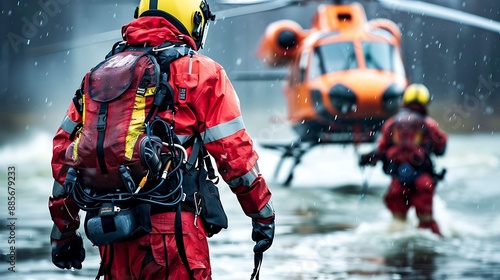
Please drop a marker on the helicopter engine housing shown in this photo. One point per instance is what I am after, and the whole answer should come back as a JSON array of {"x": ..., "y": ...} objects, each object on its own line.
[
  {"x": 388, "y": 26},
  {"x": 280, "y": 42}
]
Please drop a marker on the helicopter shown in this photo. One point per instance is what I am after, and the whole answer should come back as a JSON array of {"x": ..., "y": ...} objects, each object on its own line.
[{"x": 345, "y": 73}]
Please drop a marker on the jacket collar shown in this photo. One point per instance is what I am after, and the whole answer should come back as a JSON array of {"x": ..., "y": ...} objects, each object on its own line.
[{"x": 154, "y": 31}]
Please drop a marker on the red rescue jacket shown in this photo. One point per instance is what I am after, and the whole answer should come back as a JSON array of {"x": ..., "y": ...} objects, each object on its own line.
[{"x": 210, "y": 109}]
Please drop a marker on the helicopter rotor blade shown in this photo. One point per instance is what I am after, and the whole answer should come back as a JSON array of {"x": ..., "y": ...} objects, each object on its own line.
[
  {"x": 102, "y": 37},
  {"x": 261, "y": 75},
  {"x": 417, "y": 7},
  {"x": 251, "y": 9},
  {"x": 241, "y": 2},
  {"x": 114, "y": 35},
  {"x": 437, "y": 11}
]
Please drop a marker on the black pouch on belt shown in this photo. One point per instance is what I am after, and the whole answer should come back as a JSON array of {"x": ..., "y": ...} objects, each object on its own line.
[
  {"x": 202, "y": 192},
  {"x": 112, "y": 224}
]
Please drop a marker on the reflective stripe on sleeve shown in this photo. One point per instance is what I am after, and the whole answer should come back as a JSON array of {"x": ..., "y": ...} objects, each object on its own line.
[
  {"x": 68, "y": 125},
  {"x": 184, "y": 138},
  {"x": 245, "y": 180},
  {"x": 223, "y": 130},
  {"x": 58, "y": 235},
  {"x": 266, "y": 212}
]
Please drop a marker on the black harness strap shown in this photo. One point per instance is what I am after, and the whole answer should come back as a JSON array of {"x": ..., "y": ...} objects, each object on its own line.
[
  {"x": 200, "y": 152},
  {"x": 179, "y": 240},
  {"x": 105, "y": 268},
  {"x": 210, "y": 167},
  {"x": 197, "y": 146},
  {"x": 77, "y": 99},
  {"x": 148, "y": 258},
  {"x": 101, "y": 270},
  {"x": 101, "y": 128}
]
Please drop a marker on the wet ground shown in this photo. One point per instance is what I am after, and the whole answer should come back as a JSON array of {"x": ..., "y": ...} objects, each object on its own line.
[{"x": 324, "y": 230}]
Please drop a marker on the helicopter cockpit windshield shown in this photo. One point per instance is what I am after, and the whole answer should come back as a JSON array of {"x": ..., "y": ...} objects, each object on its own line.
[
  {"x": 382, "y": 56},
  {"x": 341, "y": 56},
  {"x": 333, "y": 57}
]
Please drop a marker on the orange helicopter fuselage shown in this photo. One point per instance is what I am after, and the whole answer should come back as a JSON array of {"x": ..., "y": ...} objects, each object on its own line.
[{"x": 346, "y": 73}]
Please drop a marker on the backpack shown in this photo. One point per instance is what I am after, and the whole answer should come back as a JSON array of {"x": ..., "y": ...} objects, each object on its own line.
[
  {"x": 117, "y": 149},
  {"x": 409, "y": 153},
  {"x": 125, "y": 159},
  {"x": 409, "y": 130}
]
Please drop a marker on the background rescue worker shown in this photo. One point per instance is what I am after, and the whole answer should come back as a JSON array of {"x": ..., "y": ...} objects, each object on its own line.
[
  {"x": 211, "y": 110},
  {"x": 405, "y": 147}
]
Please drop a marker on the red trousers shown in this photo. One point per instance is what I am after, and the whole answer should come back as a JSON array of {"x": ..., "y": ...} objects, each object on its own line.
[
  {"x": 155, "y": 255},
  {"x": 399, "y": 199}
]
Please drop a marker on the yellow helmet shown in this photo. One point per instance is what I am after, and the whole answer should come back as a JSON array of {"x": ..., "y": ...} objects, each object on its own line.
[
  {"x": 189, "y": 16},
  {"x": 416, "y": 93}
]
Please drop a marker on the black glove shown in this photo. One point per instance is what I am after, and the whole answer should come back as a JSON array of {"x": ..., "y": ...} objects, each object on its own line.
[
  {"x": 263, "y": 235},
  {"x": 370, "y": 158},
  {"x": 68, "y": 253}
]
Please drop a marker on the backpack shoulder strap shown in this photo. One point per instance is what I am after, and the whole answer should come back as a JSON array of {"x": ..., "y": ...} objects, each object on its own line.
[{"x": 164, "y": 56}]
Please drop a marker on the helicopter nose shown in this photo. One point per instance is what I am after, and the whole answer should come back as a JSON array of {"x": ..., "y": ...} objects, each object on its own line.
[
  {"x": 391, "y": 99},
  {"x": 343, "y": 98}
]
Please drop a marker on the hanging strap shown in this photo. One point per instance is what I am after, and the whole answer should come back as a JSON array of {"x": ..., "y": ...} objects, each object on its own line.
[
  {"x": 179, "y": 240},
  {"x": 105, "y": 267},
  {"x": 195, "y": 152},
  {"x": 200, "y": 152},
  {"x": 257, "y": 259},
  {"x": 210, "y": 167}
]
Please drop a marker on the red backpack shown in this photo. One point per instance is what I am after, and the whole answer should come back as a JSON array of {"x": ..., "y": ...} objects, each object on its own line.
[
  {"x": 119, "y": 98},
  {"x": 409, "y": 135}
]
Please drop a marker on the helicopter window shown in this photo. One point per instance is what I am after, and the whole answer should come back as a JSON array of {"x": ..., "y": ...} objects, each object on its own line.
[
  {"x": 379, "y": 55},
  {"x": 333, "y": 57}
]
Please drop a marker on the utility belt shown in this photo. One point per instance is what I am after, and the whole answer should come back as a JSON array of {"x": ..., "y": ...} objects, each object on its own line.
[
  {"x": 113, "y": 223},
  {"x": 185, "y": 207},
  {"x": 406, "y": 173}
]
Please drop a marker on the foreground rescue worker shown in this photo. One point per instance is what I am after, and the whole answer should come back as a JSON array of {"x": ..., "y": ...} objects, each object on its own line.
[
  {"x": 211, "y": 109},
  {"x": 407, "y": 142}
]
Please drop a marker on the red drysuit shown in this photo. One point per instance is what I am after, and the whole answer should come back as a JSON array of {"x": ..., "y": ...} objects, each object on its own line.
[
  {"x": 408, "y": 140},
  {"x": 210, "y": 109}
]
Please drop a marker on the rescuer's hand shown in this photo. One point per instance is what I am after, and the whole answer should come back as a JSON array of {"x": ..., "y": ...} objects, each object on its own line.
[
  {"x": 68, "y": 253},
  {"x": 262, "y": 234}
]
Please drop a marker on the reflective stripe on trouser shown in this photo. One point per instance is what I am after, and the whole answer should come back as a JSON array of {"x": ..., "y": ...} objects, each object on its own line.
[{"x": 144, "y": 258}]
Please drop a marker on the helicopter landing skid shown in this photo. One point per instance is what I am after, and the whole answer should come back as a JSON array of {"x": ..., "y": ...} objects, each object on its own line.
[
  {"x": 299, "y": 148},
  {"x": 295, "y": 150}
]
